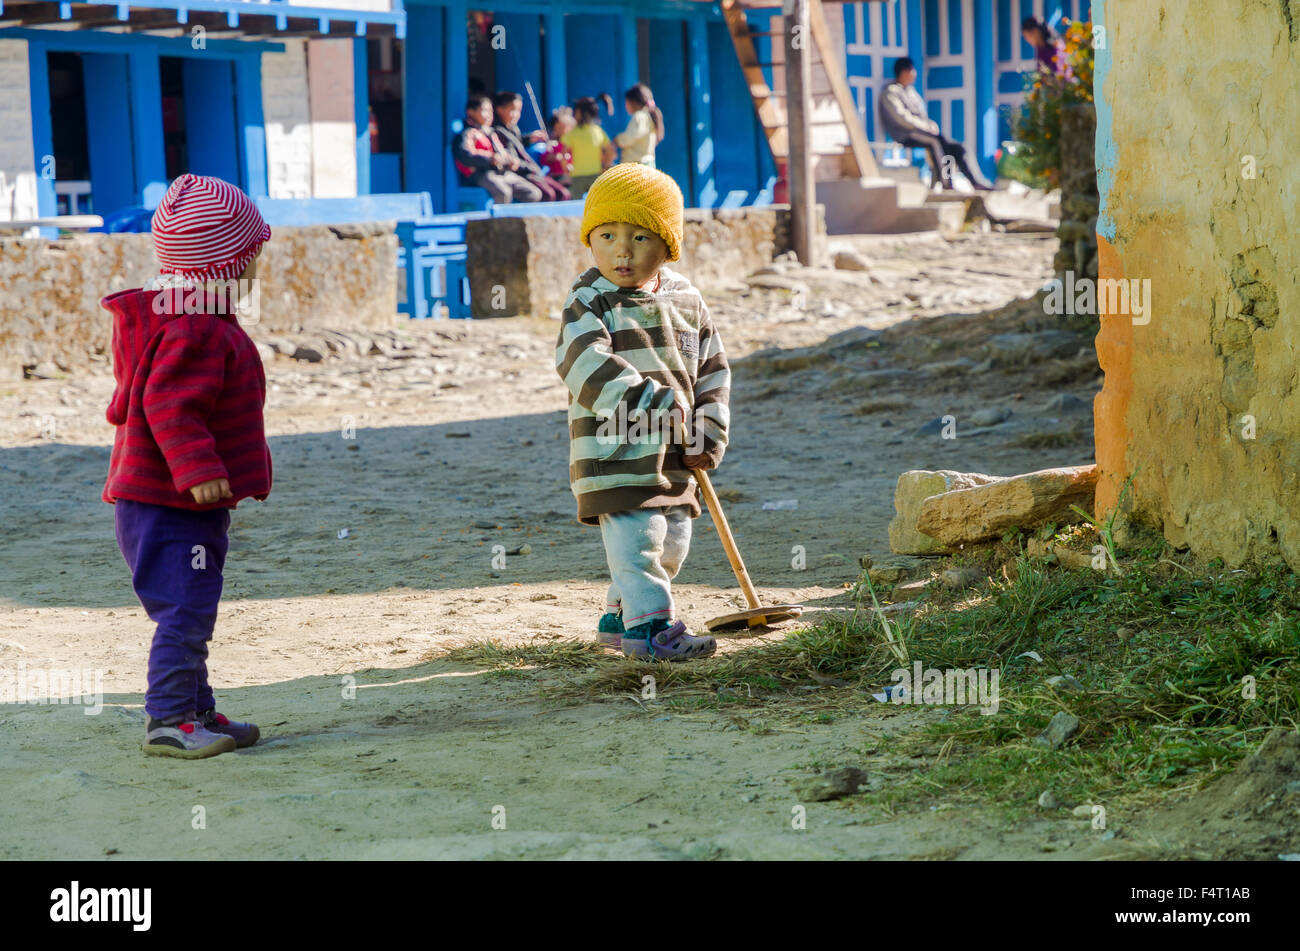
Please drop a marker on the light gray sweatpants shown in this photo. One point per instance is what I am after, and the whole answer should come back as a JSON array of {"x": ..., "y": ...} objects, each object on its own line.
[{"x": 645, "y": 549}]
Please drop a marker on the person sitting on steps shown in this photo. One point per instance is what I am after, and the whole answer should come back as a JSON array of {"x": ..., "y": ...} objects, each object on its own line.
[{"x": 902, "y": 113}]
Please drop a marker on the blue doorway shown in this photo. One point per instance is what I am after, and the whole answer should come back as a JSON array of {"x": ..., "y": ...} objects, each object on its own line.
[{"x": 665, "y": 72}]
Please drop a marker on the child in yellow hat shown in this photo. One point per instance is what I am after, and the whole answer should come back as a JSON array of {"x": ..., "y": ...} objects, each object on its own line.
[{"x": 648, "y": 389}]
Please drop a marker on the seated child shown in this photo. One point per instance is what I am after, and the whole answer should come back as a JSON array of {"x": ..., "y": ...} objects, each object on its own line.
[
  {"x": 189, "y": 445},
  {"x": 648, "y": 389},
  {"x": 551, "y": 153}
]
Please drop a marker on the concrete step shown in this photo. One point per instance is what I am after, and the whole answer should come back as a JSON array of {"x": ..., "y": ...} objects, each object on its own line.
[
  {"x": 1007, "y": 206},
  {"x": 913, "y": 194},
  {"x": 935, "y": 197},
  {"x": 902, "y": 173},
  {"x": 872, "y": 206}
]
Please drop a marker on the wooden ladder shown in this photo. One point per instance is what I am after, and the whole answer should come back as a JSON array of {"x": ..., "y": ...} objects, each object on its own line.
[{"x": 857, "y": 160}]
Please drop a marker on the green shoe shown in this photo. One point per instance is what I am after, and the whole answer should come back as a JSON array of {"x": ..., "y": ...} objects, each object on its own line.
[{"x": 610, "y": 630}]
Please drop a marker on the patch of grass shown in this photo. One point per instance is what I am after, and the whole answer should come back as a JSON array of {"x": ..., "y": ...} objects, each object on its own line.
[
  {"x": 1161, "y": 709},
  {"x": 508, "y": 673},
  {"x": 565, "y": 653}
]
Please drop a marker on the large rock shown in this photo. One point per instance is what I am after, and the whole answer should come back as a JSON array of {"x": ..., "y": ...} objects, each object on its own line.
[
  {"x": 990, "y": 510},
  {"x": 913, "y": 488}
]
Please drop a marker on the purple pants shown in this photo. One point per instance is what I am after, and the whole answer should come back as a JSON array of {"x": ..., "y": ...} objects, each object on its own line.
[{"x": 176, "y": 557}]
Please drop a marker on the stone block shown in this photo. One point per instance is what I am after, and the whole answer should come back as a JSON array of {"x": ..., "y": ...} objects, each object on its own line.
[
  {"x": 311, "y": 278},
  {"x": 988, "y": 511},
  {"x": 527, "y": 265},
  {"x": 912, "y": 489}
]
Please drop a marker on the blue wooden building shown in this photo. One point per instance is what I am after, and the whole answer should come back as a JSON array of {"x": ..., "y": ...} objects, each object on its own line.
[
  {"x": 105, "y": 113},
  {"x": 110, "y": 101},
  {"x": 970, "y": 54},
  {"x": 714, "y": 147}
]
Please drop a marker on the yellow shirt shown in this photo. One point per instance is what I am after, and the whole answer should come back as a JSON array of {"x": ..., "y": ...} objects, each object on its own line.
[{"x": 586, "y": 142}]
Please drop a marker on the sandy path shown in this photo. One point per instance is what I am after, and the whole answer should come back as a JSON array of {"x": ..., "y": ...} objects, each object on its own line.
[{"x": 459, "y": 447}]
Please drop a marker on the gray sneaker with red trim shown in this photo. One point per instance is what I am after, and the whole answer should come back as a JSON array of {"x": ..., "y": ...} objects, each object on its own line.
[
  {"x": 244, "y": 734},
  {"x": 184, "y": 736}
]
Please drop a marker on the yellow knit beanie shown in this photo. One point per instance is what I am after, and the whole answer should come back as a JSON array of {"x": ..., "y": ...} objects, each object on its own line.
[{"x": 640, "y": 195}]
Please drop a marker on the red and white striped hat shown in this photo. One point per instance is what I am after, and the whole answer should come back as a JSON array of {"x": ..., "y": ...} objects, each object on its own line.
[{"x": 206, "y": 229}]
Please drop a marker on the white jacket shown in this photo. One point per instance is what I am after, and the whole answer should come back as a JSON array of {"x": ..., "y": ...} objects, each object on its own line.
[{"x": 902, "y": 111}]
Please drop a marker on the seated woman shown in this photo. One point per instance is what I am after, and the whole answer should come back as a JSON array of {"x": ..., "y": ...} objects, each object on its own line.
[{"x": 1048, "y": 51}]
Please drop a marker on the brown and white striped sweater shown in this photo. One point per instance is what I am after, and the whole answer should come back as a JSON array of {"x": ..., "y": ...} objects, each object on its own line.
[{"x": 631, "y": 357}]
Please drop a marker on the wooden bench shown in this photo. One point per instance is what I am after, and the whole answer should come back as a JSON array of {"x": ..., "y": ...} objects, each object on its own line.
[
  {"x": 473, "y": 198},
  {"x": 548, "y": 209},
  {"x": 399, "y": 206}
]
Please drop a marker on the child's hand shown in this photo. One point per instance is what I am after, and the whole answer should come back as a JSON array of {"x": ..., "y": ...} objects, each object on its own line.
[
  {"x": 214, "y": 490},
  {"x": 698, "y": 462}
]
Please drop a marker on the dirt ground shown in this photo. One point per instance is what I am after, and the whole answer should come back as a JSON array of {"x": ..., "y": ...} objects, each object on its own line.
[{"x": 375, "y": 553}]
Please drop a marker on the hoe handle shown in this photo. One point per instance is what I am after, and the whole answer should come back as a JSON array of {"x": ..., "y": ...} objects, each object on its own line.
[{"x": 724, "y": 532}]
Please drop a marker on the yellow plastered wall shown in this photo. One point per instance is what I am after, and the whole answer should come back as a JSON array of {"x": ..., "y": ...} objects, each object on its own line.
[{"x": 1203, "y": 401}]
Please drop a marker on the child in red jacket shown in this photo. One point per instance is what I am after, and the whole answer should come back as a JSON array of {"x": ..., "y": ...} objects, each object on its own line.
[{"x": 189, "y": 445}]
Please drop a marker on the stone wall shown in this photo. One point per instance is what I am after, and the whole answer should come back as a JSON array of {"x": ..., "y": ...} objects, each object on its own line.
[
  {"x": 527, "y": 265},
  {"x": 1079, "y": 200},
  {"x": 310, "y": 277},
  {"x": 1196, "y": 127}
]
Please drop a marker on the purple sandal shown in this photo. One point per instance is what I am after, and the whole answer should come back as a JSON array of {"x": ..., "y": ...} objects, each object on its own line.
[{"x": 673, "y": 643}]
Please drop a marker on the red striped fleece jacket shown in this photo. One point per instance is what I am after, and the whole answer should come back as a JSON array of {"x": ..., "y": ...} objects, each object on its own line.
[{"x": 187, "y": 405}]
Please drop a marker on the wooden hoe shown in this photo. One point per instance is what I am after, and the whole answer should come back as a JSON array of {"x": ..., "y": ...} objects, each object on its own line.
[{"x": 755, "y": 615}]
